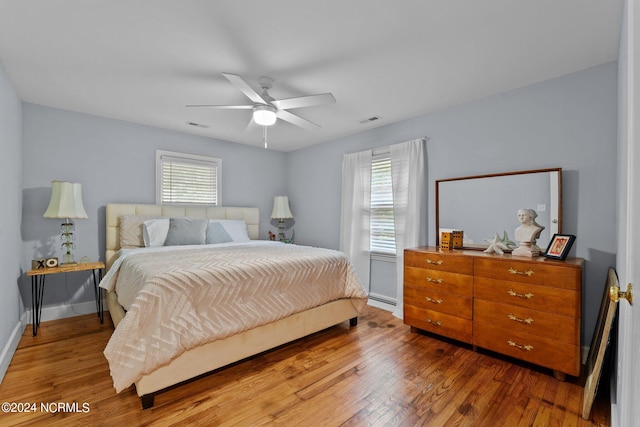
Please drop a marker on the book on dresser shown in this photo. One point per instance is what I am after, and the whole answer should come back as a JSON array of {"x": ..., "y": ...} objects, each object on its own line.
[{"x": 526, "y": 308}]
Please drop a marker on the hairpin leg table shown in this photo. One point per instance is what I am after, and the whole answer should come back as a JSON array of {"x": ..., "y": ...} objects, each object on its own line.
[{"x": 37, "y": 287}]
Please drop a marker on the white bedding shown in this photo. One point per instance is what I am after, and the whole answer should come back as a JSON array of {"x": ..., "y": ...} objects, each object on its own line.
[
  {"x": 126, "y": 294},
  {"x": 180, "y": 298}
]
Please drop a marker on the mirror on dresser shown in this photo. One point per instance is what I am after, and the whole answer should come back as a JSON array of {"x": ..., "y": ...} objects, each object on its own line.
[{"x": 483, "y": 205}]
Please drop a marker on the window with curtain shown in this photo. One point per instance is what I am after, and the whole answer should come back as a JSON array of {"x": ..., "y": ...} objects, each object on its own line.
[
  {"x": 382, "y": 235},
  {"x": 187, "y": 179},
  {"x": 383, "y": 208}
]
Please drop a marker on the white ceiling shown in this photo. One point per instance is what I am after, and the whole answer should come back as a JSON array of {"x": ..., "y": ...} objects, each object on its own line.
[{"x": 142, "y": 61}]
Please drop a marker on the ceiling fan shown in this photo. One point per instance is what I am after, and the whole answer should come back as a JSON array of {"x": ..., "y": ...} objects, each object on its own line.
[{"x": 266, "y": 109}]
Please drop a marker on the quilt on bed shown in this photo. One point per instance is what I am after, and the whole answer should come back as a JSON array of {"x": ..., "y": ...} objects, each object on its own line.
[{"x": 189, "y": 297}]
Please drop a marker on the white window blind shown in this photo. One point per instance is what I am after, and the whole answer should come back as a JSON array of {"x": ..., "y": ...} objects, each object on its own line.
[
  {"x": 187, "y": 179},
  {"x": 383, "y": 239}
]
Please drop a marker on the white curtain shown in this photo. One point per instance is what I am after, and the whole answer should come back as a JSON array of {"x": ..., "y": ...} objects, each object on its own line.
[
  {"x": 355, "y": 212},
  {"x": 409, "y": 205}
]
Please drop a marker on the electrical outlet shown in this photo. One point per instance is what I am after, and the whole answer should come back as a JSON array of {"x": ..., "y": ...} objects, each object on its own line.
[{"x": 542, "y": 208}]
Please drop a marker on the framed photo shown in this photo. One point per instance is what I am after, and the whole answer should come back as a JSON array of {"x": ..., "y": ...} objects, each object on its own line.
[{"x": 559, "y": 246}]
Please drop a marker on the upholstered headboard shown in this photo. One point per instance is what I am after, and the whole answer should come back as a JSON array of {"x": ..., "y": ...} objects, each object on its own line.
[{"x": 251, "y": 217}]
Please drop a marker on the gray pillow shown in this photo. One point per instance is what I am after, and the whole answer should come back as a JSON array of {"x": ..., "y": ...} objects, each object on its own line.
[
  {"x": 186, "y": 231},
  {"x": 217, "y": 234}
]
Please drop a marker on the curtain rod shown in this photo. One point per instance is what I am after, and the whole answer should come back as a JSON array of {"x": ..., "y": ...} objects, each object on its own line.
[
  {"x": 379, "y": 150},
  {"x": 387, "y": 147}
]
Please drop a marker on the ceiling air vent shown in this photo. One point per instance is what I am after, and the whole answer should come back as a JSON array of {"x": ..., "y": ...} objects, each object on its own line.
[
  {"x": 369, "y": 120},
  {"x": 197, "y": 125}
]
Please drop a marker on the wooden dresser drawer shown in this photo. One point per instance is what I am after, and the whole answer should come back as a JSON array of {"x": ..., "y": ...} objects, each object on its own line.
[
  {"x": 538, "y": 350},
  {"x": 439, "y": 323},
  {"x": 443, "y": 302},
  {"x": 454, "y": 283},
  {"x": 533, "y": 322},
  {"x": 553, "y": 300},
  {"x": 526, "y": 308},
  {"x": 539, "y": 272},
  {"x": 438, "y": 261}
]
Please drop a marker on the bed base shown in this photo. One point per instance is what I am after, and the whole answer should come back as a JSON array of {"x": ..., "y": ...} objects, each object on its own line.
[{"x": 209, "y": 357}]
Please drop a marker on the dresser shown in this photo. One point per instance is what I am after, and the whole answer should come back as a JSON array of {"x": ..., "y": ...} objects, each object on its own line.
[{"x": 529, "y": 309}]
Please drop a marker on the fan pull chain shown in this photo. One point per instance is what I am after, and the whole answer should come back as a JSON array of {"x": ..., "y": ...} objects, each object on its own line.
[{"x": 264, "y": 135}]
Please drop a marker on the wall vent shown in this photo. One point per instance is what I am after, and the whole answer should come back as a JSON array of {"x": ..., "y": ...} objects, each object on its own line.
[
  {"x": 198, "y": 125},
  {"x": 369, "y": 120},
  {"x": 383, "y": 299}
]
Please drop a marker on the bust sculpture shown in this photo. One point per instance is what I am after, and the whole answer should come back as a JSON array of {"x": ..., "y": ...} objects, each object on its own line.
[{"x": 527, "y": 234}]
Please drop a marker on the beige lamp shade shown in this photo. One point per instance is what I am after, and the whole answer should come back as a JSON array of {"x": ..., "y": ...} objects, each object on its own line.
[
  {"x": 66, "y": 201},
  {"x": 281, "y": 208}
]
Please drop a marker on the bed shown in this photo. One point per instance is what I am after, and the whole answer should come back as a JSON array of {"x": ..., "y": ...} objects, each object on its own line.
[{"x": 206, "y": 345}]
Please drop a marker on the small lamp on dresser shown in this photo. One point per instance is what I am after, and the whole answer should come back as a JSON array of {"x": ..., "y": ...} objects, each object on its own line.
[
  {"x": 66, "y": 203},
  {"x": 281, "y": 212}
]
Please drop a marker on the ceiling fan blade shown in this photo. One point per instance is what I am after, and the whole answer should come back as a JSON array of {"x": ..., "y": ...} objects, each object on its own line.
[
  {"x": 224, "y": 107},
  {"x": 252, "y": 125},
  {"x": 244, "y": 87},
  {"x": 296, "y": 120},
  {"x": 304, "y": 101}
]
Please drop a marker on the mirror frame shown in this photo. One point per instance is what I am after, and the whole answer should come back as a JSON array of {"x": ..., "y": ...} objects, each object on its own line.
[{"x": 493, "y": 175}]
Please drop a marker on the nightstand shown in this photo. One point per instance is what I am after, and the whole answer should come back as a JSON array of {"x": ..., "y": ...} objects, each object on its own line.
[{"x": 37, "y": 287}]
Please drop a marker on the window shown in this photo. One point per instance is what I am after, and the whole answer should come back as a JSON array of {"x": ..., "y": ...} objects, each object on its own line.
[
  {"x": 382, "y": 236},
  {"x": 187, "y": 179}
]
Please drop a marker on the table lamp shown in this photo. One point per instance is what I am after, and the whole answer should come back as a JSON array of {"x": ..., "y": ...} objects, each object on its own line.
[
  {"x": 66, "y": 202},
  {"x": 281, "y": 212}
]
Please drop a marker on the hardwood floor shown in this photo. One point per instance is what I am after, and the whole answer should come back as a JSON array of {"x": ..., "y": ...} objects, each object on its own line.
[{"x": 377, "y": 373}]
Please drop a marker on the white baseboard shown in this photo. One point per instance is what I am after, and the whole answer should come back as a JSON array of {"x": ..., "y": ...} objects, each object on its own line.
[
  {"x": 48, "y": 313},
  {"x": 10, "y": 348},
  {"x": 64, "y": 311}
]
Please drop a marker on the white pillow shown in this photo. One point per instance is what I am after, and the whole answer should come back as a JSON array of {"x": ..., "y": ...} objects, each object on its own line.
[
  {"x": 154, "y": 232},
  {"x": 236, "y": 228}
]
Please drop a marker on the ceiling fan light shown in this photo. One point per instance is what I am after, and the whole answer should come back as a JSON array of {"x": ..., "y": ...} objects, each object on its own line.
[{"x": 264, "y": 115}]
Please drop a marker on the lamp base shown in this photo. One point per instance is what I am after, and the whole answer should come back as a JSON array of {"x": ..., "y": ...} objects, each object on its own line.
[
  {"x": 281, "y": 230},
  {"x": 67, "y": 259},
  {"x": 281, "y": 236},
  {"x": 67, "y": 243}
]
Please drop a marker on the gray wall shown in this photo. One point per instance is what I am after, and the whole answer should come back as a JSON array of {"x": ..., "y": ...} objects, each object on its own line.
[
  {"x": 11, "y": 180},
  {"x": 115, "y": 162},
  {"x": 567, "y": 122}
]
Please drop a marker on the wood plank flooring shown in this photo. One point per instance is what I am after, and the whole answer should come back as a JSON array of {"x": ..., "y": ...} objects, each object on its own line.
[{"x": 377, "y": 373}]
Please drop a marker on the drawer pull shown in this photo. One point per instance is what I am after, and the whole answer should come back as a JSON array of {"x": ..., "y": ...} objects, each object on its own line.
[
  {"x": 435, "y": 301},
  {"x": 528, "y": 320},
  {"x": 527, "y": 273},
  {"x": 513, "y": 293},
  {"x": 432, "y": 280},
  {"x": 523, "y": 347},
  {"x": 436, "y": 262},
  {"x": 438, "y": 323}
]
